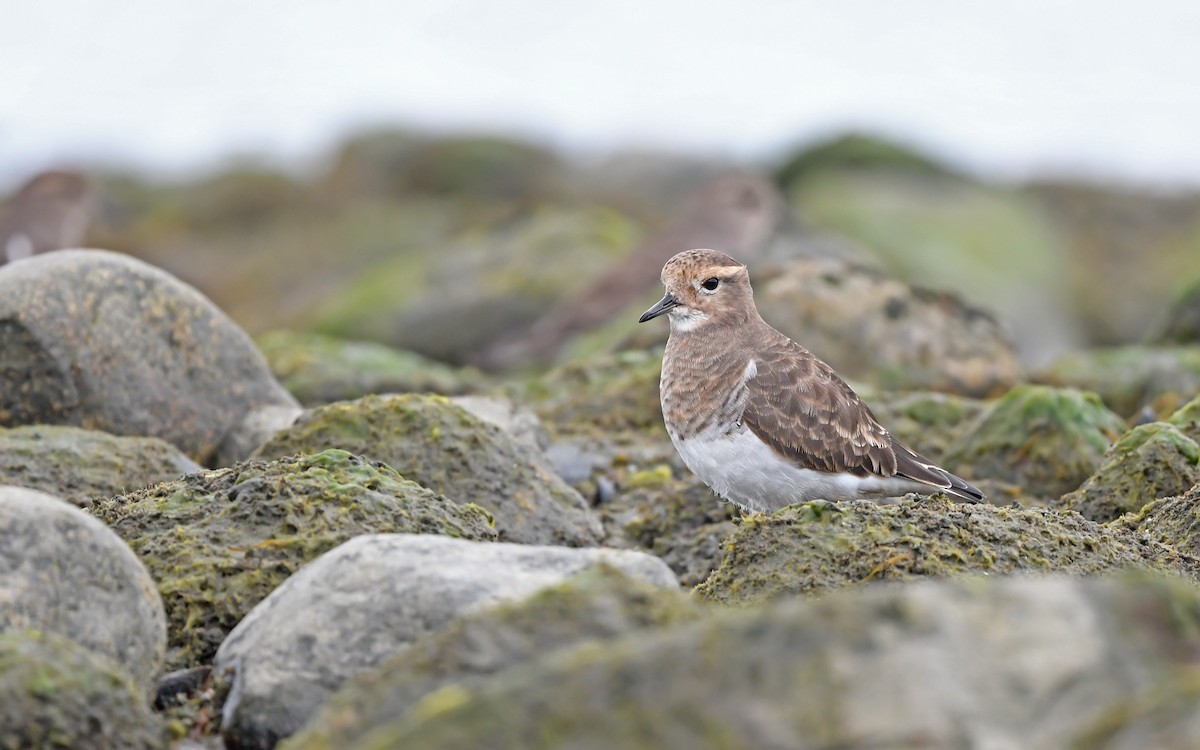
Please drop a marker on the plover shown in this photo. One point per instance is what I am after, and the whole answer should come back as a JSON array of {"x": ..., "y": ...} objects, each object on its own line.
[{"x": 759, "y": 418}]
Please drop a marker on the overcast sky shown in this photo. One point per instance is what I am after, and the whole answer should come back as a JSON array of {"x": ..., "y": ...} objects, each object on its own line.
[{"x": 1103, "y": 88}]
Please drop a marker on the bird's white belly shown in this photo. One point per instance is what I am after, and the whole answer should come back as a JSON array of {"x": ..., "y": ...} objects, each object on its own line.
[{"x": 743, "y": 469}]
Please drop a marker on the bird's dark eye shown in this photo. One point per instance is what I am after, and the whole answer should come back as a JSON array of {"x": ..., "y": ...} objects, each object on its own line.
[{"x": 711, "y": 284}]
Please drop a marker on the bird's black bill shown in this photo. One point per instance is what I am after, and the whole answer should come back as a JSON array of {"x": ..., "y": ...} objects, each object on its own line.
[{"x": 660, "y": 307}]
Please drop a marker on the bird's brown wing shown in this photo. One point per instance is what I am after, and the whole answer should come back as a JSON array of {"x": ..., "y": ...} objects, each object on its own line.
[{"x": 803, "y": 409}]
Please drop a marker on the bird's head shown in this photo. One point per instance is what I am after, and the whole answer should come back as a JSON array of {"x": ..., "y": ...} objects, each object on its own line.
[{"x": 704, "y": 287}]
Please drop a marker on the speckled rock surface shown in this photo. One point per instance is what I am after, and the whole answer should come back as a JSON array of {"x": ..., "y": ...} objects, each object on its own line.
[
  {"x": 441, "y": 446},
  {"x": 1011, "y": 663},
  {"x": 1148, "y": 462},
  {"x": 78, "y": 465},
  {"x": 217, "y": 542},
  {"x": 870, "y": 326},
  {"x": 106, "y": 342},
  {"x": 596, "y": 605},
  {"x": 367, "y": 600},
  {"x": 56, "y": 694},
  {"x": 64, "y": 572},
  {"x": 1046, "y": 440},
  {"x": 819, "y": 546}
]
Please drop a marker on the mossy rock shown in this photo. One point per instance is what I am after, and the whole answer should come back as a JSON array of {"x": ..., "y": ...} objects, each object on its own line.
[
  {"x": 1150, "y": 461},
  {"x": 927, "y": 422},
  {"x": 935, "y": 664},
  {"x": 56, "y": 694},
  {"x": 819, "y": 546},
  {"x": 439, "y": 445},
  {"x": 1182, "y": 325},
  {"x": 79, "y": 465},
  {"x": 1047, "y": 440},
  {"x": 1130, "y": 378},
  {"x": 217, "y": 542},
  {"x": 1171, "y": 520},
  {"x": 680, "y": 520},
  {"x": 601, "y": 395},
  {"x": 596, "y": 605},
  {"x": 1187, "y": 419},
  {"x": 320, "y": 369}
]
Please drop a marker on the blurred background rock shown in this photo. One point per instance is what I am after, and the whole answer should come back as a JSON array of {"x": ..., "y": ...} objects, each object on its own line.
[{"x": 497, "y": 233}]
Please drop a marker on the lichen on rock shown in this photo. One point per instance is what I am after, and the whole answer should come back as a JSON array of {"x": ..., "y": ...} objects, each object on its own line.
[{"x": 217, "y": 542}]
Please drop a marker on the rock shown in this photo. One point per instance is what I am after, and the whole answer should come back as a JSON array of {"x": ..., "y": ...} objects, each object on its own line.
[
  {"x": 320, "y": 369},
  {"x": 451, "y": 297},
  {"x": 248, "y": 435},
  {"x": 365, "y": 601},
  {"x": 1169, "y": 520},
  {"x": 1047, "y": 440},
  {"x": 1182, "y": 324},
  {"x": 521, "y": 423},
  {"x": 882, "y": 330},
  {"x": 217, "y": 542},
  {"x": 927, "y": 422},
  {"x": 441, "y": 446},
  {"x": 1130, "y": 378},
  {"x": 679, "y": 520},
  {"x": 598, "y": 604},
  {"x": 1150, "y": 461},
  {"x": 1012, "y": 663},
  {"x": 819, "y": 546},
  {"x": 64, "y": 572},
  {"x": 105, "y": 342},
  {"x": 1187, "y": 419},
  {"x": 602, "y": 394},
  {"x": 78, "y": 465},
  {"x": 55, "y": 693}
]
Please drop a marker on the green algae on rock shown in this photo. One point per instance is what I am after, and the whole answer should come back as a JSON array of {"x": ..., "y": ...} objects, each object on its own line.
[
  {"x": 217, "y": 542},
  {"x": 55, "y": 693},
  {"x": 928, "y": 422},
  {"x": 839, "y": 672},
  {"x": 78, "y": 465},
  {"x": 1150, "y": 461},
  {"x": 319, "y": 369},
  {"x": 819, "y": 546},
  {"x": 439, "y": 445},
  {"x": 1047, "y": 440},
  {"x": 596, "y": 605},
  {"x": 1130, "y": 378}
]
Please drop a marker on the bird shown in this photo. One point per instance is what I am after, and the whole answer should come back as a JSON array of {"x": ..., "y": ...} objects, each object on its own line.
[
  {"x": 760, "y": 419},
  {"x": 50, "y": 212}
]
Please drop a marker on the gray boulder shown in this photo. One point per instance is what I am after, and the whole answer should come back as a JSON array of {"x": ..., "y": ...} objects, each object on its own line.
[
  {"x": 366, "y": 600},
  {"x": 106, "y": 342},
  {"x": 64, "y": 572}
]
